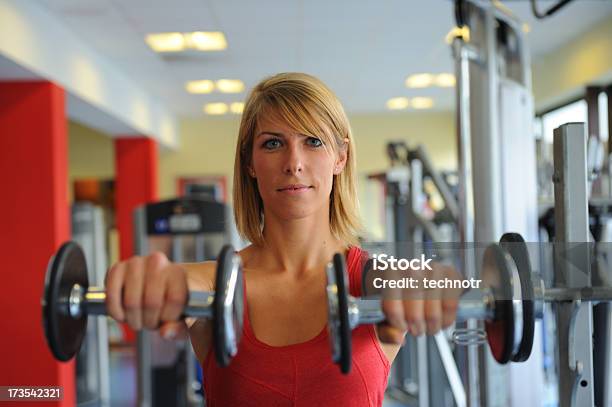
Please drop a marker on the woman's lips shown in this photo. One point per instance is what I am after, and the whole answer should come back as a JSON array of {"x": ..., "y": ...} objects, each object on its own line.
[{"x": 294, "y": 189}]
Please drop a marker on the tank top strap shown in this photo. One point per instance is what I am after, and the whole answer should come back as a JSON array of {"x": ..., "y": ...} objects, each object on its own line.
[{"x": 355, "y": 261}]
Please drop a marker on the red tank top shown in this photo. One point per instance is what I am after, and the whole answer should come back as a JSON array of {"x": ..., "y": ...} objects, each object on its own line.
[{"x": 302, "y": 374}]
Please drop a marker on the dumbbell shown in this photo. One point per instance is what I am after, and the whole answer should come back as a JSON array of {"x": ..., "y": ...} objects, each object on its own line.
[
  {"x": 508, "y": 303},
  {"x": 68, "y": 301}
]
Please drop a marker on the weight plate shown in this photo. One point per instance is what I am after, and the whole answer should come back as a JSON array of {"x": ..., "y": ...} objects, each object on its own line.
[
  {"x": 344, "y": 328},
  {"x": 333, "y": 319},
  {"x": 228, "y": 306},
  {"x": 367, "y": 278},
  {"x": 515, "y": 245},
  {"x": 497, "y": 276},
  {"x": 64, "y": 333}
]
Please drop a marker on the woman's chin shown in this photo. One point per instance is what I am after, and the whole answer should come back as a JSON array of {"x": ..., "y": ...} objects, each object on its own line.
[
  {"x": 288, "y": 210},
  {"x": 289, "y": 216},
  {"x": 293, "y": 213}
]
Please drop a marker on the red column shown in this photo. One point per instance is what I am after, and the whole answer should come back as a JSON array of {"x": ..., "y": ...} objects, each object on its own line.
[
  {"x": 35, "y": 221},
  {"x": 135, "y": 184}
]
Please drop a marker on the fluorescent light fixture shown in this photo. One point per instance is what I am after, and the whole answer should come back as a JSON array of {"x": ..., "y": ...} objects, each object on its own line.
[
  {"x": 445, "y": 80},
  {"x": 166, "y": 42},
  {"x": 198, "y": 40},
  {"x": 237, "y": 107},
  {"x": 203, "y": 86},
  {"x": 398, "y": 103},
  {"x": 421, "y": 103},
  {"x": 420, "y": 80},
  {"x": 206, "y": 40},
  {"x": 230, "y": 85},
  {"x": 215, "y": 108}
]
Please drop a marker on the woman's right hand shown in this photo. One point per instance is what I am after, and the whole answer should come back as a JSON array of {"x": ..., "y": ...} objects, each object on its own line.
[{"x": 146, "y": 291}]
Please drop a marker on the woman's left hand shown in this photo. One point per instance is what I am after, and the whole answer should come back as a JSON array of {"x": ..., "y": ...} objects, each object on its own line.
[{"x": 420, "y": 310}]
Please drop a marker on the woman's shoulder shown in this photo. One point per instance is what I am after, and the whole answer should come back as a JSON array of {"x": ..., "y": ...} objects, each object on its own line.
[{"x": 247, "y": 251}]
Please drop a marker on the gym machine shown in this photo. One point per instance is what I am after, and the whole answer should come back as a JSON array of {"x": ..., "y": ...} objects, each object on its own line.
[
  {"x": 92, "y": 361},
  {"x": 188, "y": 229},
  {"x": 409, "y": 189},
  {"x": 571, "y": 296},
  {"x": 600, "y": 226},
  {"x": 423, "y": 360},
  {"x": 497, "y": 170}
]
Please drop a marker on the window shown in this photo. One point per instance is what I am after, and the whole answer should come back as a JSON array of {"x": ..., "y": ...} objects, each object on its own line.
[
  {"x": 576, "y": 111},
  {"x": 603, "y": 116},
  {"x": 573, "y": 112}
]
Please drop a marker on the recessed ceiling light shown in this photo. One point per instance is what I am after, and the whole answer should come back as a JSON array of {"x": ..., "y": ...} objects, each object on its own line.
[
  {"x": 166, "y": 42},
  {"x": 421, "y": 103},
  {"x": 198, "y": 40},
  {"x": 203, "y": 86},
  {"x": 206, "y": 41},
  {"x": 215, "y": 108},
  {"x": 420, "y": 80},
  {"x": 230, "y": 85},
  {"x": 237, "y": 107},
  {"x": 445, "y": 80},
  {"x": 397, "y": 103}
]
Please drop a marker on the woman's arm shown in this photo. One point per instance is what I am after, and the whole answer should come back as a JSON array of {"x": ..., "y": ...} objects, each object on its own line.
[
  {"x": 389, "y": 349},
  {"x": 200, "y": 277}
]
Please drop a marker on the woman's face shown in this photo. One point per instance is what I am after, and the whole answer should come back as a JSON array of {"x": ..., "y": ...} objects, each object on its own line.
[{"x": 294, "y": 172}]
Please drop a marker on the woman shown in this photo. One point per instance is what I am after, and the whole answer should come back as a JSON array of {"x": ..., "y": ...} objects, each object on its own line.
[{"x": 295, "y": 201}]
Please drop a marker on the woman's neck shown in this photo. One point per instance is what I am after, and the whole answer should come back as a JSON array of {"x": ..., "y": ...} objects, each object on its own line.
[{"x": 298, "y": 246}]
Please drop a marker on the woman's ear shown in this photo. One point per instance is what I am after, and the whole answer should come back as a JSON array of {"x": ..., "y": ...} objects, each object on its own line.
[
  {"x": 251, "y": 171},
  {"x": 340, "y": 161}
]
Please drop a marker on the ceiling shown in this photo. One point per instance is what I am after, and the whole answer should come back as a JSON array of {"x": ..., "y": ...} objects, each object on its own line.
[{"x": 363, "y": 49}]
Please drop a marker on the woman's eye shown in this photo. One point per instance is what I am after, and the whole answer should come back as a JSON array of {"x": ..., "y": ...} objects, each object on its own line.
[
  {"x": 314, "y": 142},
  {"x": 272, "y": 143}
]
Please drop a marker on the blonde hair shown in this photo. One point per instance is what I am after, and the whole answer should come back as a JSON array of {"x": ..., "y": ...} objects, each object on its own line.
[{"x": 310, "y": 108}]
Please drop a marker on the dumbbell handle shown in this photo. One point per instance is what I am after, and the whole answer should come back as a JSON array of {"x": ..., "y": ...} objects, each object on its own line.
[
  {"x": 477, "y": 304},
  {"x": 474, "y": 303},
  {"x": 93, "y": 302}
]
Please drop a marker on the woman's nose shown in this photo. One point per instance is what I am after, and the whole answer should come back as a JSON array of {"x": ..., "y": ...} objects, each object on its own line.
[{"x": 294, "y": 162}]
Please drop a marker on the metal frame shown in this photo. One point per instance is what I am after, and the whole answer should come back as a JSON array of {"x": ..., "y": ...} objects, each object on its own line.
[
  {"x": 144, "y": 379},
  {"x": 88, "y": 230},
  {"x": 574, "y": 319},
  {"x": 493, "y": 80},
  {"x": 414, "y": 367}
]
